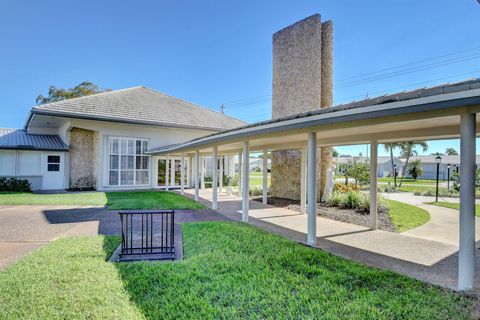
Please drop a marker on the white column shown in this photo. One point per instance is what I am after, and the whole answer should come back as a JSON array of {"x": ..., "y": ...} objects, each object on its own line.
[
  {"x": 172, "y": 172},
  {"x": 195, "y": 174},
  {"x": 202, "y": 173},
  {"x": 189, "y": 171},
  {"x": 303, "y": 181},
  {"x": 167, "y": 172},
  {"x": 312, "y": 189},
  {"x": 466, "y": 256},
  {"x": 182, "y": 175},
  {"x": 265, "y": 177},
  {"x": 240, "y": 168},
  {"x": 220, "y": 182},
  {"x": 373, "y": 184},
  {"x": 245, "y": 177},
  {"x": 215, "y": 178}
]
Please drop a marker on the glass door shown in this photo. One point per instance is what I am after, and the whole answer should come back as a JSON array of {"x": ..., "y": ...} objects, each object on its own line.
[{"x": 162, "y": 171}]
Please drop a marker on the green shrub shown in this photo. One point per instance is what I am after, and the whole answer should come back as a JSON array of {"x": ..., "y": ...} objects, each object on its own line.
[
  {"x": 14, "y": 185},
  {"x": 230, "y": 181},
  {"x": 256, "y": 191},
  {"x": 352, "y": 200},
  {"x": 387, "y": 188},
  {"x": 334, "y": 199}
]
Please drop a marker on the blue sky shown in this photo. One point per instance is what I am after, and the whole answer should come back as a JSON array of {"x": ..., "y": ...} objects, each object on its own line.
[{"x": 213, "y": 52}]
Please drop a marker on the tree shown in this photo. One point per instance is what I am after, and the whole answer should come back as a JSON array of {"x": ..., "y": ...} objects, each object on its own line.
[
  {"x": 358, "y": 170},
  {"x": 436, "y": 154},
  {"x": 57, "y": 94},
  {"x": 415, "y": 169},
  {"x": 389, "y": 147},
  {"x": 451, "y": 152},
  {"x": 335, "y": 153},
  {"x": 407, "y": 150}
]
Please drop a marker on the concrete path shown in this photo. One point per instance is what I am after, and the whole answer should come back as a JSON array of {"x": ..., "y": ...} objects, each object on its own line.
[
  {"x": 27, "y": 228},
  {"x": 415, "y": 256},
  {"x": 444, "y": 222}
]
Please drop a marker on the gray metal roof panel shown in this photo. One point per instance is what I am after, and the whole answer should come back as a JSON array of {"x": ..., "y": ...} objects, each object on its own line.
[
  {"x": 141, "y": 105},
  {"x": 20, "y": 139}
]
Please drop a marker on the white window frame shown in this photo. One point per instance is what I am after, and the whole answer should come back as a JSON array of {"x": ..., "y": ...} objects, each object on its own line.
[{"x": 120, "y": 153}]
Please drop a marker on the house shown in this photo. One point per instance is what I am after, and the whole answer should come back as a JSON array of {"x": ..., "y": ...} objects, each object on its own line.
[
  {"x": 384, "y": 165},
  {"x": 429, "y": 166},
  {"x": 101, "y": 141}
]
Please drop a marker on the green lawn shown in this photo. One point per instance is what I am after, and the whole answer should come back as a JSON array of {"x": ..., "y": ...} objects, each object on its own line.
[
  {"x": 413, "y": 188},
  {"x": 405, "y": 217},
  {"x": 256, "y": 179},
  {"x": 230, "y": 271},
  {"x": 407, "y": 181},
  {"x": 455, "y": 206},
  {"x": 114, "y": 200}
]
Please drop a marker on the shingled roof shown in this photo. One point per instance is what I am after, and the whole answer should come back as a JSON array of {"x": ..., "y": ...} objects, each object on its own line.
[
  {"x": 20, "y": 139},
  {"x": 139, "y": 105}
]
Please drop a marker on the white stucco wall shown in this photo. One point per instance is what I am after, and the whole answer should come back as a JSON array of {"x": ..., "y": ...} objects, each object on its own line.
[{"x": 157, "y": 137}]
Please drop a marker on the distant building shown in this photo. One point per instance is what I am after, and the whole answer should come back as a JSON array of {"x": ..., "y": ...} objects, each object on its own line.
[{"x": 429, "y": 165}]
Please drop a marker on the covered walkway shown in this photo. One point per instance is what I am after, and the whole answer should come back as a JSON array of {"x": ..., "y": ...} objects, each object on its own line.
[
  {"x": 421, "y": 258},
  {"x": 442, "y": 112}
]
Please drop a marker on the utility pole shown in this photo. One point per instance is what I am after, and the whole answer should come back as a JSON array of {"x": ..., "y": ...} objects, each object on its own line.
[{"x": 222, "y": 109}]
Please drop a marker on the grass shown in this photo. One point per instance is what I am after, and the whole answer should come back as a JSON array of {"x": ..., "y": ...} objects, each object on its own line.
[
  {"x": 408, "y": 181},
  {"x": 230, "y": 271},
  {"x": 413, "y": 188},
  {"x": 114, "y": 200},
  {"x": 405, "y": 217},
  {"x": 455, "y": 206},
  {"x": 256, "y": 179}
]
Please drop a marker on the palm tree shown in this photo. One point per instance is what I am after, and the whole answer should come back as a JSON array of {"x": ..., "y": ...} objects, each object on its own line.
[
  {"x": 451, "y": 152},
  {"x": 415, "y": 169},
  {"x": 389, "y": 147},
  {"x": 408, "y": 150}
]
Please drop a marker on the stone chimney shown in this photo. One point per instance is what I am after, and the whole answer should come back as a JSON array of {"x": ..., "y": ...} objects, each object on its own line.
[{"x": 302, "y": 81}]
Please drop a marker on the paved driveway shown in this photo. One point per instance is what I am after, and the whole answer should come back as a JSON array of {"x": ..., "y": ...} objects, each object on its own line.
[{"x": 26, "y": 228}]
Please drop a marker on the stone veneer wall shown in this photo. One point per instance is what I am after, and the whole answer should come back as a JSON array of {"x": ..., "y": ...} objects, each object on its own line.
[
  {"x": 302, "y": 81},
  {"x": 83, "y": 158}
]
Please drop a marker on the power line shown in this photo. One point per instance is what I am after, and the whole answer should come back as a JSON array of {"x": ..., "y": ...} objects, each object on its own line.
[
  {"x": 410, "y": 63},
  {"x": 363, "y": 79}
]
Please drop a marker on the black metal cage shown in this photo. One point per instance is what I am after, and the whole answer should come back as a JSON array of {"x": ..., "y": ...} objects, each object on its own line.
[{"x": 147, "y": 235}]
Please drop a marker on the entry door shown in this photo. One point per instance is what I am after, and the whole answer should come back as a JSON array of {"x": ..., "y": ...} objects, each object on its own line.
[
  {"x": 53, "y": 168},
  {"x": 173, "y": 171}
]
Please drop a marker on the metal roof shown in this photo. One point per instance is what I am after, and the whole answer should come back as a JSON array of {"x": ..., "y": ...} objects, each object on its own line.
[
  {"x": 139, "y": 105},
  {"x": 20, "y": 139},
  {"x": 397, "y": 103}
]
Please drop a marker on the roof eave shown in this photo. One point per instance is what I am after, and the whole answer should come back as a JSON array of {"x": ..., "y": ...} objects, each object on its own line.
[{"x": 116, "y": 120}]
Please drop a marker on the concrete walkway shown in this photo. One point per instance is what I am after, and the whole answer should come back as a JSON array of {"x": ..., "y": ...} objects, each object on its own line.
[
  {"x": 444, "y": 222},
  {"x": 421, "y": 258},
  {"x": 24, "y": 229}
]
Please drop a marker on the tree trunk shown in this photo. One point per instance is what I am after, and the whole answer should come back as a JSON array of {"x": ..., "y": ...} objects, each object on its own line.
[{"x": 405, "y": 166}]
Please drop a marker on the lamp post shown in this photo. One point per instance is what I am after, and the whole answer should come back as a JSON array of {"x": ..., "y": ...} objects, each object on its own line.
[
  {"x": 438, "y": 159},
  {"x": 395, "y": 175},
  {"x": 448, "y": 176}
]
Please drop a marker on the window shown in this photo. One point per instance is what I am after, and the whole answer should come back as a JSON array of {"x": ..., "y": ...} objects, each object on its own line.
[
  {"x": 129, "y": 165},
  {"x": 53, "y": 163}
]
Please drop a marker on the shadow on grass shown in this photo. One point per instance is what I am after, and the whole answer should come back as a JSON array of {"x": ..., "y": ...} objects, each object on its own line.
[{"x": 233, "y": 270}]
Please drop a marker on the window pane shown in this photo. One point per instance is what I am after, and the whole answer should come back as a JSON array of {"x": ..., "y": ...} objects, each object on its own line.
[
  {"x": 114, "y": 146},
  {"x": 126, "y": 178},
  {"x": 145, "y": 161},
  {"x": 131, "y": 162},
  {"x": 138, "y": 162},
  {"x": 127, "y": 162},
  {"x": 131, "y": 147},
  {"x": 123, "y": 146},
  {"x": 53, "y": 167},
  {"x": 139, "y": 146},
  {"x": 144, "y": 147},
  {"x": 53, "y": 159},
  {"x": 142, "y": 177},
  {"x": 113, "y": 162},
  {"x": 113, "y": 179}
]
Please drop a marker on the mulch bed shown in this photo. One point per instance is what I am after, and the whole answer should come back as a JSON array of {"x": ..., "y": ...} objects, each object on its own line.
[{"x": 335, "y": 213}]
